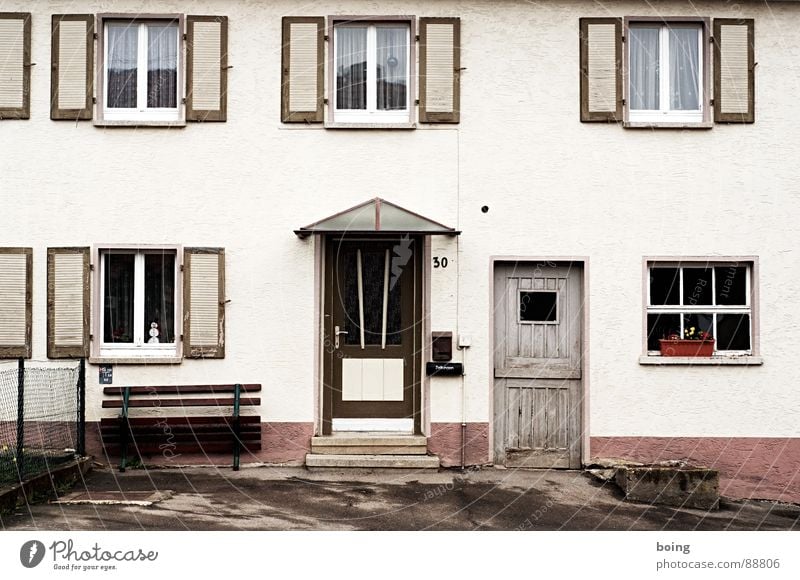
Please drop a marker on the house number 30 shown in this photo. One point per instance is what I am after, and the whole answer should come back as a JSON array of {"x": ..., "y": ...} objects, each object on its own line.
[{"x": 439, "y": 262}]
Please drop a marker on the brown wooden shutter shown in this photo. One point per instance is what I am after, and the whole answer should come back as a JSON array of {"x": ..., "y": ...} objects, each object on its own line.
[
  {"x": 16, "y": 271},
  {"x": 68, "y": 302},
  {"x": 302, "y": 69},
  {"x": 601, "y": 69},
  {"x": 734, "y": 74},
  {"x": 439, "y": 70},
  {"x": 206, "y": 68},
  {"x": 72, "y": 71},
  {"x": 204, "y": 302},
  {"x": 15, "y": 65}
]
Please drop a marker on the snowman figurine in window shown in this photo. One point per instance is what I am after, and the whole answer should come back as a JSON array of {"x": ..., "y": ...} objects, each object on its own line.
[{"x": 153, "y": 333}]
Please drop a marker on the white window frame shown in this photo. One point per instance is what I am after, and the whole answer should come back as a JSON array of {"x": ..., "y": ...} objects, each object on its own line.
[
  {"x": 140, "y": 348},
  {"x": 713, "y": 309},
  {"x": 142, "y": 112},
  {"x": 371, "y": 114},
  {"x": 664, "y": 114}
]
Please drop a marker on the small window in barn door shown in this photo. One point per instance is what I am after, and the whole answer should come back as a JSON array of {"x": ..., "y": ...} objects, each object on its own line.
[
  {"x": 538, "y": 307},
  {"x": 15, "y": 302}
]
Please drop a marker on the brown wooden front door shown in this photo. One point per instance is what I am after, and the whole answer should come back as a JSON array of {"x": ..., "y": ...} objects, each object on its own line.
[
  {"x": 372, "y": 321},
  {"x": 538, "y": 322}
]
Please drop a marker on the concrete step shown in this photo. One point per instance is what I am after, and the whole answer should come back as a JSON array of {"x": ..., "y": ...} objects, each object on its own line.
[
  {"x": 314, "y": 460},
  {"x": 358, "y": 444}
]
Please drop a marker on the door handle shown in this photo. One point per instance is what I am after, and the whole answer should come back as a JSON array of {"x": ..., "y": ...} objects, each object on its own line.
[{"x": 336, "y": 333}]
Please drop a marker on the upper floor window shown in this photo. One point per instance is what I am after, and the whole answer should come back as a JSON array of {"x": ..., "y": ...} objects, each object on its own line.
[
  {"x": 372, "y": 70},
  {"x": 665, "y": 72},
  {"x": 140, "y": 70}
]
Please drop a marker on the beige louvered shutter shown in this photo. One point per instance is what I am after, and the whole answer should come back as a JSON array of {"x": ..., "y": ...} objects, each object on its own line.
[
  {"x": 204, "y": 303},
  {"x": 15, "y": 65},
  {"x": 601, "y": 69},
  {"x": 16, "y": 269},
  {"x": 734, "y": 74},
  {"x": 302, "y": 69},
  {"x": 439, "y": 70},
  {"x": 71, "y": 75},
  {"x": 206, "y": 68},
  {"x": 67, "y": 302}
]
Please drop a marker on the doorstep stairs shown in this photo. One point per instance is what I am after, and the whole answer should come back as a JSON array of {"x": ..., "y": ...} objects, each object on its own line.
[{"x": 368, "y": 450}]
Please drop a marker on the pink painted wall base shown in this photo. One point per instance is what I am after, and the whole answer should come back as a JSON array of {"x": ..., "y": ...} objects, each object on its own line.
[
  {"x": 445, "y": 441},
  {"x": 749, "y": 467}
]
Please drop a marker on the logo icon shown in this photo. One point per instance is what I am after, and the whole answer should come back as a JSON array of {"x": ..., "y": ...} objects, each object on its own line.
[{"x": 31, "y": 553}]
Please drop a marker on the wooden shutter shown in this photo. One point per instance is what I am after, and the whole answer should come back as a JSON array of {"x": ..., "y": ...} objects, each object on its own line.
[
  {"x": 206, "y": 68},
  {"x": 601, "y": 69},
  {"x": 204, "y": 302},
  {"x": 71, "y": 74},
  {"x": 302, "y": 69},
  {"x": 439, "y": 70},
  {"x": 734, "y": 78},
  {"x": 15, "y": 65},
  {"x": 16, "y": 270},
  {"x": 68, "y": 302}
]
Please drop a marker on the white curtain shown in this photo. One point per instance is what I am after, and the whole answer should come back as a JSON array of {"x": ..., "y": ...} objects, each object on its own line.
[
  {"x": 644, "y": 68},
  {"x": 122, "y": 42},
  {"x": 162, "y": 65},
  {"x": 351, "y": 67},
  {"x": 392, "y": 47},
  {"x": 684, "y": 75}
]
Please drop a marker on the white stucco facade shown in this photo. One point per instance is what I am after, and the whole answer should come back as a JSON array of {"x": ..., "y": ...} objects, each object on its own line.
[{"x": 555, "y": 187}]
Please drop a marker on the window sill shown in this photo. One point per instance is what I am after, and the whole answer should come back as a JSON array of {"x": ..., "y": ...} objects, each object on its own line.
[
  {"x": 700, "y": 360},
  {"x": 666, "y": 125},
  {"x": 370, "y": 126},
  {"x": 137, "y": 360},
  {"x": 135, "y": 123}
]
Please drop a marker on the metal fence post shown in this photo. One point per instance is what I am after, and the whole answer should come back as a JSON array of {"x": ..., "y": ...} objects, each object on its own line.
[
  {"x": 82, "y": 408},
  {"x": 21, "y": 418}
]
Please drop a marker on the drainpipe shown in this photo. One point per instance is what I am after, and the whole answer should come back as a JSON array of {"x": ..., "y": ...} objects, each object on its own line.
[{"x": 463, "y": 347}]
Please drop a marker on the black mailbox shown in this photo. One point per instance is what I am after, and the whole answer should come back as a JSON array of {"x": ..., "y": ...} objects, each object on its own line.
[
  {"x": 444, "y": 369},
  {"x": 442, "y": 346}
]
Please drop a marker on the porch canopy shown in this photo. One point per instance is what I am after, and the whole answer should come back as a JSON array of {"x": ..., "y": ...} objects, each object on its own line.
[{"x": 376, "y": 216}]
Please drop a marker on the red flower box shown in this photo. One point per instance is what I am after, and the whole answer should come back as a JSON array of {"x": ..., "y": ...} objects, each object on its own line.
[{"x": 681, "y": 347}]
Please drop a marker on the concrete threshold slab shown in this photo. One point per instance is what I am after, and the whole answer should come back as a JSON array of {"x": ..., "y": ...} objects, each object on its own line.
[{"x": 138, "y": 498}]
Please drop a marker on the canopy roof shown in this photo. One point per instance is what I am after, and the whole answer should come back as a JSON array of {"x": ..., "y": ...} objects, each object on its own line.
[{"x": 376, "y": 216}]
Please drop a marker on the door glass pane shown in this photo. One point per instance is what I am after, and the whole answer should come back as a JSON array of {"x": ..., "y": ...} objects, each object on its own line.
[
  {"x": 731, "y": 285},
  {"x": 684, "y": 72},
  {"x": 373, "y": 262},
  {"x": 661, "y": 326},
  {"x": 162, "y": 66},
  {"x": 159, "y": 298},
  {"x": 697, "y": 286},
  {"x": 733, "y": 332},
  {"x": 118, "y": 298},
  {"x": 664, "y": 286},
  {"x": 392, "y": 48},
  {"x": 121, "y": 62},
  {"x": 644, "y": 68},
  {"x": 351, "y": 67},
  {"x": 537, "y": 306}
]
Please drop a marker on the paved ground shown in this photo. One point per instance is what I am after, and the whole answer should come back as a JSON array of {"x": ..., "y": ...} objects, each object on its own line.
[{"x": 274, "y": 498}]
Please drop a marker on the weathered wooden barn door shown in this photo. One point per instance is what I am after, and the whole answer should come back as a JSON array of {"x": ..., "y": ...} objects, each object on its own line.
[{"x": 538, "y": 390}]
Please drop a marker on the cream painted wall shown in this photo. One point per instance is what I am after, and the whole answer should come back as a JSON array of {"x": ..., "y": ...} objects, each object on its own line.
[{"x": 554, "y": 186}]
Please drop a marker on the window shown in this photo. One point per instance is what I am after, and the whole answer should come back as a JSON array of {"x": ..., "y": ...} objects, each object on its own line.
[
  {"x": 371, "y": 68},
  {"x": 708, "y": 297},
  {"x": 140, "y": 70},
  {"x": 138, "y": 294},
  {"x": 538, "y": 307},
  {"x": 665, "y": 72}
]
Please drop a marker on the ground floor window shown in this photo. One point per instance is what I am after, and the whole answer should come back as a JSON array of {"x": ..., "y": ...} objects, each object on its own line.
[
  {"x": 138, "y": 293},
  {"x": 690, "y": 300}
]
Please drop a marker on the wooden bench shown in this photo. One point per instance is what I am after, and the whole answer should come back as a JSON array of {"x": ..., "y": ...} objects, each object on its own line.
[{"x": 199, "y": 433}]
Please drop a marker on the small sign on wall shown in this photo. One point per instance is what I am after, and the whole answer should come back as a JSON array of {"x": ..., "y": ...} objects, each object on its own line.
[{"x": 106, "y": 374}]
